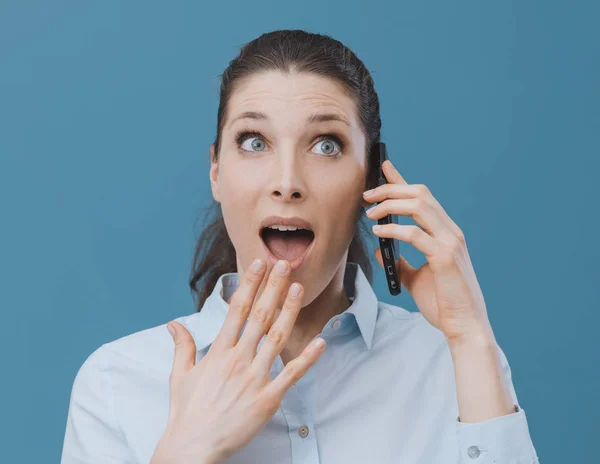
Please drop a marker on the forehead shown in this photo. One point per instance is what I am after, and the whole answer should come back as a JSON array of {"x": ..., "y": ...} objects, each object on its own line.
[{"x": 289, "y": 94}]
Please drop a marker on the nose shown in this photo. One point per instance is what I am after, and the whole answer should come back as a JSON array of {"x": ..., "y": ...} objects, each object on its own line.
[{"x": 287, "y": 179}]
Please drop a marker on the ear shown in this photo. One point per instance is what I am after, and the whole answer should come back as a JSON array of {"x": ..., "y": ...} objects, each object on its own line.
[{"x": 214, "y": 174}]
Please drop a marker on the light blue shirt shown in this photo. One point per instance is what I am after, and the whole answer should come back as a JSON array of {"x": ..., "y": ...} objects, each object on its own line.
[{"x": 383, "y": 391}]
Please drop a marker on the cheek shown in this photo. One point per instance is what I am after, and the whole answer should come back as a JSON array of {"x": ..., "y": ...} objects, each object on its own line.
[
  {"x": 341, "y": 205},
  {"x": 237, "y": 186},
  {"x": 342, "y": 194},
  {"x": 238, "y": 201}
]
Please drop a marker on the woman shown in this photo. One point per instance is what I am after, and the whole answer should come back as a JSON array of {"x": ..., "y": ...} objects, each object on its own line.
[{"x": 246, "y": 381}]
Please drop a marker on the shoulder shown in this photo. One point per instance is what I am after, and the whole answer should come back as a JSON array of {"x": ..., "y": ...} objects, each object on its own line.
[
  {"x": 408, "y": 327},
  {"x": 149, "y": 349},
  {"x": 419, "y": 349}
]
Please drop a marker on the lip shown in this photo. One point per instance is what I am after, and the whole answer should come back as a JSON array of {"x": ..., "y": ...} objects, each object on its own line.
[{"x": 289, "y": 221}]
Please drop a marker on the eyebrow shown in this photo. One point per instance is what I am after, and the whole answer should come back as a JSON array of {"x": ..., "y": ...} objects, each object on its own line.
[{"x": 314, "y": 118}]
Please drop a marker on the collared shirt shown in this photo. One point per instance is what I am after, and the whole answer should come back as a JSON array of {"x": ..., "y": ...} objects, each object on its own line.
[{"x": 383, "y": 391}]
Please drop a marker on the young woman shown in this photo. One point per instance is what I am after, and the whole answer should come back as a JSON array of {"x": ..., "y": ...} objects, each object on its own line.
[{"x": 283, "y": 267}]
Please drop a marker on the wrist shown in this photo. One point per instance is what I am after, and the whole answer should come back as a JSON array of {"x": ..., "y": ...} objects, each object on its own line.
[
  {"x": 483, "y": 391},
  {"x": 479, "y": 338},
  {"x": 168, "y": 453}
]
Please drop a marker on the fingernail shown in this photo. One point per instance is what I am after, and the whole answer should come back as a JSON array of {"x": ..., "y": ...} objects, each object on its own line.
[
  {"x": 368, "y": 192},
  {"x": 376, "y": 227},
  {"x": 370, "y": 210},
  {"x": 320, "y": 343},
  {"x": 295, "y": 289},
  {"x": 257, "y": 265},
  {"x": 171, "y": 330},
  {"x": 280, "y": 267}
]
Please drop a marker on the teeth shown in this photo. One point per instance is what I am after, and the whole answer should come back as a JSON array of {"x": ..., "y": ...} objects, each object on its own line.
[{"x": 278, "y": 227}]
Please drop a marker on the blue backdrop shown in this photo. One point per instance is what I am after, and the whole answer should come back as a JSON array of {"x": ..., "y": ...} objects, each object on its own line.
[{"x": 107, "y": 111}]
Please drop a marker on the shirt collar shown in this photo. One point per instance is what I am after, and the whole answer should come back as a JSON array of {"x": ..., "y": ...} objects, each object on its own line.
[{"x": 206, "y": 324}]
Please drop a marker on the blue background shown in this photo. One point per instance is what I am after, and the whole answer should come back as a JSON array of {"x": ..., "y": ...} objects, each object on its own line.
[{"x": 107, "y": 111}]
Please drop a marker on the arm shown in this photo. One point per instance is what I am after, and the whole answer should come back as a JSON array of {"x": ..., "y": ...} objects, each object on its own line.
[
  {"x": 92, "y": 434},
  {"x": 447, "y": 293},
  {"x": 491, "y": 426}
]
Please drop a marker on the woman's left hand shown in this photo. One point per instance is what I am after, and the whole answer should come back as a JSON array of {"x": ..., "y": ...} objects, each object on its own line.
[{"x": 445, "y": 289}]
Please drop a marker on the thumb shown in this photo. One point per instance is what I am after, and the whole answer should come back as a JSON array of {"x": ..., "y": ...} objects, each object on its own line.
[
  {"x": 185, "y": 349},
  {"x": 403, "y": 267}
]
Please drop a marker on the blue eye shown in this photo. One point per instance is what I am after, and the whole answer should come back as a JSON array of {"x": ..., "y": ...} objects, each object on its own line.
[
  {"x": 328, "y": 143},
  {"x": 257, "y": 143}
]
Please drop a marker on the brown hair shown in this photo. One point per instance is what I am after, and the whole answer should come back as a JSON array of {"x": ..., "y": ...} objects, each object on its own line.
[{"x": 284, "y": 50}]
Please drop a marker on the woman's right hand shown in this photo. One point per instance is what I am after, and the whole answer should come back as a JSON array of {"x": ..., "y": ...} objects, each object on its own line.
[{"x": 218, "y": 405}]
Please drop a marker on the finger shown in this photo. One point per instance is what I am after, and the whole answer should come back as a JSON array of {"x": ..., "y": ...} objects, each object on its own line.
[
  {"x": 393, "y": 176},
  {"x": 185, "y": 351},
  {"x": 410, "y": 234},
  {"x": 240, "y": 305},
  {"x": 294, "y": 370},
  {"x": 391, "y": 173},
  {"x": 280, "y": 331},
  {"x": 264, "y": 309},
  {"x": 384, "y": 191},
  {"x": 457, "y": 231},
  {"x": 416, "y": 208}
]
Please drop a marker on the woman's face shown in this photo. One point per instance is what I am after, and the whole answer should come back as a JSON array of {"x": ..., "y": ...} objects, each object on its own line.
[{"x": 283, "y": 160}]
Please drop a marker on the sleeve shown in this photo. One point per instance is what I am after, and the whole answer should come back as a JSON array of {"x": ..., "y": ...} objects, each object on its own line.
[
  {"x": 92, "y": 435},
  {"x": 501, "y": 440}
]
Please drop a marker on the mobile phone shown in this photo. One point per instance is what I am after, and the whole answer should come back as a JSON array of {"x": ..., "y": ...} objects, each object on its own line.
[{"x": 389, "y": 250}]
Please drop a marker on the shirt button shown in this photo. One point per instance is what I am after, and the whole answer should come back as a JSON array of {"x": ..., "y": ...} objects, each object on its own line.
[
  {"x": 303, "y": 431},
  {"x": 473, "y": 452},
  {"x": 337, "y": 323}
]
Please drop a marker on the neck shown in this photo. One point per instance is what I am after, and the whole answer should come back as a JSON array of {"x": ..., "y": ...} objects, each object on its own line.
[{"x": 332, "y": 301}]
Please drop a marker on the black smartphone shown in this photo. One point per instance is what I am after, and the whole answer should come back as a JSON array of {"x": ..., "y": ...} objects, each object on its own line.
[{"x": 389, "y": 250}]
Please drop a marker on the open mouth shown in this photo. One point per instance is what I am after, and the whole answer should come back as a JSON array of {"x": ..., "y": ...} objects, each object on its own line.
[{"x": 287, "y": 244}]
